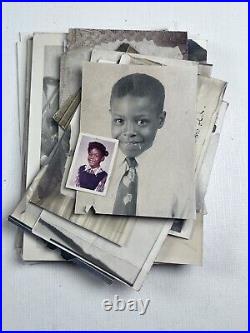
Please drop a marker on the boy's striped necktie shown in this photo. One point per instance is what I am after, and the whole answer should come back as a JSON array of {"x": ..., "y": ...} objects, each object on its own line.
[{"x": 126, "y": 196}]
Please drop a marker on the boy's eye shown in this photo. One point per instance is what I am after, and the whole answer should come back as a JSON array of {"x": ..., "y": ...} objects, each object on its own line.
[
  {"x": 118, "y": 121},
  {"x": 142, "y": 122}
]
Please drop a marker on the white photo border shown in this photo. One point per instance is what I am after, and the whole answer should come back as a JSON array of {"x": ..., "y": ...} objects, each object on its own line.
[{"x": 72, "y": 167}]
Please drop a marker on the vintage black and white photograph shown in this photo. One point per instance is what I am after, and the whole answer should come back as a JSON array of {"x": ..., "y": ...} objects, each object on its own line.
[
  {"x": 44, "y": 100},
  {"x": 142, "y": 108},
  {"x": 92, "y": 164},
  {"x": 117, "y": 130},
  {"x": 50, "y": 103},
  {"x": 129, "y": 263}
]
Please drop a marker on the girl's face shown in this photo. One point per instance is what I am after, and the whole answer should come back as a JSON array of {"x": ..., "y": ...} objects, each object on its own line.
[{"x": 95, "y": 157}]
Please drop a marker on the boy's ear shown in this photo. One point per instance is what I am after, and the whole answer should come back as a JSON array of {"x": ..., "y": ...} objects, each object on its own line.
[{"x": 162, "y": 117}]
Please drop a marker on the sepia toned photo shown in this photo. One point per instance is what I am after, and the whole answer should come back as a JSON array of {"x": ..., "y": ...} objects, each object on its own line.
[
  {"x": 92, "y": 164},
  {"x": 170, "y": 44}
]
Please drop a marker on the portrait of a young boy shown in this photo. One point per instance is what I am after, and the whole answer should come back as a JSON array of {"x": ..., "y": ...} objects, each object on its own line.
[
  {"x": 136, "y": 107},
  {"x": 153, "y": 171}
]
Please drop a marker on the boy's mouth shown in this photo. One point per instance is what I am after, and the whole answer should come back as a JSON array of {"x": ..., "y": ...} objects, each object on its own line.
[
  {"x": 130, "y": 142},
  {"x": 131, "y": 145}
]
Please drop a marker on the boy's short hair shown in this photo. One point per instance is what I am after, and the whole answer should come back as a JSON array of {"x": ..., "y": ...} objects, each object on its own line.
[
  {"x": 140, "y": 85},
  {"x": 99, "y": 146}
]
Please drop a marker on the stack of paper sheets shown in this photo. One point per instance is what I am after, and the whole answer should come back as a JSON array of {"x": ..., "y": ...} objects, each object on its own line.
[{"x": 118, "y": 133}]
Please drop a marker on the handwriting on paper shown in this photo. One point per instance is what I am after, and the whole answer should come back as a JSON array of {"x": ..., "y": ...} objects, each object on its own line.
[{"x": 199, "y": 122}]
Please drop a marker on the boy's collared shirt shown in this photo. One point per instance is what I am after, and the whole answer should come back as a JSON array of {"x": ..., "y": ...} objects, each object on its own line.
[{"x": 158, "y": 191}]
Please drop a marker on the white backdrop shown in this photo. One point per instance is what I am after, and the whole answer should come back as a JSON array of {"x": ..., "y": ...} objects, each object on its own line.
[{"x": 212, "y": 297}]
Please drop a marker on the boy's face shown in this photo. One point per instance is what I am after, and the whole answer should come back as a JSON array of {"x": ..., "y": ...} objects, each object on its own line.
[
  {"x": 135, "y": 122},
  {"x": 95, "y": 157}
]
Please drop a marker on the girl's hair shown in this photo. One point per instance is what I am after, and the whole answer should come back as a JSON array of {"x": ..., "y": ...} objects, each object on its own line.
[{"x": 99, "y": 146}]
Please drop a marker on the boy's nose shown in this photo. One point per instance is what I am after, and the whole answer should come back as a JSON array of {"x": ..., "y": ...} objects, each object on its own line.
[{"x": 129, "y": 129}]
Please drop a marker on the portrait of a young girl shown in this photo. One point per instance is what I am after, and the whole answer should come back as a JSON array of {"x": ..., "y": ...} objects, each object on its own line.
[{"x": 91, "y": 175}]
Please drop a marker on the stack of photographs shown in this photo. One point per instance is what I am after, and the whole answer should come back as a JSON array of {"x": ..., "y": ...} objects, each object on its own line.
[{"x": 118, "y": 134}]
